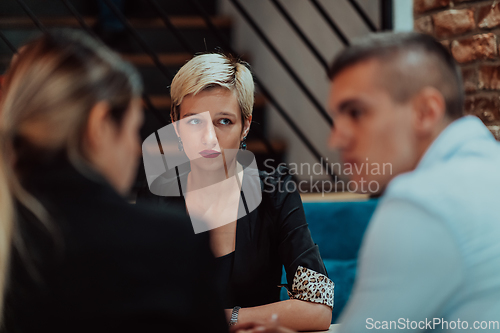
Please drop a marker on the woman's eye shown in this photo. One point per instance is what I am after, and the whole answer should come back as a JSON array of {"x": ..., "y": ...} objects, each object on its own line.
[
  {"x": 194, "y": 121},
  {"x": 225, "y": 121}
]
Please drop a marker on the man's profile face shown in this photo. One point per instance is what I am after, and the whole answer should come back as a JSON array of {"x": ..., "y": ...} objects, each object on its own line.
[{"x": 373, "y": 133}]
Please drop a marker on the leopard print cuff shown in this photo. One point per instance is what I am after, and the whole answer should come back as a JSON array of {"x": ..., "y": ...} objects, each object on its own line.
[{"x": 312, "y": 286}]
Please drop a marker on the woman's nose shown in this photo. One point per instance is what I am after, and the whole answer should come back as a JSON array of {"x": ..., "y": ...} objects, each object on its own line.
[{"x": 209, "y": 136}]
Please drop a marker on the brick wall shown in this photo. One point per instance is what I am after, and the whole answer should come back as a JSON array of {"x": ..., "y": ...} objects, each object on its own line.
[{"x": 471, "y": 31}]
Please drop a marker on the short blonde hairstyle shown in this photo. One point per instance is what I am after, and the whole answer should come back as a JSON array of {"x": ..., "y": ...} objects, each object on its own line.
[{"x": 211, "y": 70}]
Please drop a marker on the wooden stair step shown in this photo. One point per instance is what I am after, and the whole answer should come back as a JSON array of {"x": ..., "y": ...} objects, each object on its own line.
[
  {"x": 182, "y": 22},
  {"x": 163, "y": 102},
  {"x": 91, "y": 7},
  {"x": 167, "y": 59}
]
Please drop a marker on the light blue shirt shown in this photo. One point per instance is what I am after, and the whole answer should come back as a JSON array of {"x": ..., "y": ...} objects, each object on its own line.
[{"x": 432, "y": 249}]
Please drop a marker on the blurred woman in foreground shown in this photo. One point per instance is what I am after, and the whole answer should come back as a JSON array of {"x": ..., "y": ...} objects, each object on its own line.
[{"x": 83, "y": 258}]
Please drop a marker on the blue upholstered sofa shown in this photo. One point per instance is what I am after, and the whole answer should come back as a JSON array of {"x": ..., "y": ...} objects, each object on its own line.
[{"x": 338, "y": 228}]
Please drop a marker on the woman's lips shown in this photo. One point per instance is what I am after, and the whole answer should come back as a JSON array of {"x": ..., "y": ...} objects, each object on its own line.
[{"x": 209, "y": 153}]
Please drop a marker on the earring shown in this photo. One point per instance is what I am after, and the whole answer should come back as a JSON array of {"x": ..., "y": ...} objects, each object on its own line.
[
  {"x": 243, "y": 144},
  {"x": 179, "y": 145}
]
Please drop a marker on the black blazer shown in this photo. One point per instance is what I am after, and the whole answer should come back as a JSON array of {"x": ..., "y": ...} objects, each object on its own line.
[
  {"x": 275, "y": 234},
  {"x": 106, "y": 265}
]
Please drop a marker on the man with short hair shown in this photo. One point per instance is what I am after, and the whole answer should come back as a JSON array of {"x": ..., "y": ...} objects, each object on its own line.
[{"x": 430, "y": 258}]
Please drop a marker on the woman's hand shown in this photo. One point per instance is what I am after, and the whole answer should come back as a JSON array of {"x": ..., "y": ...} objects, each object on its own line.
[
  {"x": 228, "y": 313},
  {"x": 271, "y": 326}
]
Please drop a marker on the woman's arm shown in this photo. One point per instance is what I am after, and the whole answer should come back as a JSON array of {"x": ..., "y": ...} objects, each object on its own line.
[
  {"x": 293, "y": 313},
  {"x": 309, "y": 288}
]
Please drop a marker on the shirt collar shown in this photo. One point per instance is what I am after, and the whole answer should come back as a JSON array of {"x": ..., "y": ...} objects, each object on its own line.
[{"x": 452, "y": 138}]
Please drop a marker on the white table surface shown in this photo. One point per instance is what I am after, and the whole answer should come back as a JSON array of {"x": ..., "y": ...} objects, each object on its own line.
[{"x": 333, "y": 328}]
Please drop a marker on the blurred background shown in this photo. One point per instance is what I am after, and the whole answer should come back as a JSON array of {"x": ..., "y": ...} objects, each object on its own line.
[{"x": 288, "y": 43}]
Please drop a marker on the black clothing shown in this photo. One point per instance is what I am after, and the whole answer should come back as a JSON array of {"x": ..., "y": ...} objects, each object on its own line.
[
  {"x": 107, "y": 265},
  {"x": 224, "y": 267},
  {"x": 274, "y": 234}
]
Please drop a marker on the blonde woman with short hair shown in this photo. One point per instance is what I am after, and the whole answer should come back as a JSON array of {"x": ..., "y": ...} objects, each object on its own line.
[{"x": 212, "y": 102}]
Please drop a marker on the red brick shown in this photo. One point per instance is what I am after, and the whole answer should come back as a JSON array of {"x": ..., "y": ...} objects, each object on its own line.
[
  {"x": 453, "y": 22},
  {"x": 470, "y": 79},
  {"x": 424, "y": 25},
  {"x": 489, "y": 16},
  {"x": 489, "y": 77},
  {"x": 482, "y": 46},
  {"x": 446, "y": 43},
  {"x": 486, "y": 108},
  {"x": 421, "y": 6}
]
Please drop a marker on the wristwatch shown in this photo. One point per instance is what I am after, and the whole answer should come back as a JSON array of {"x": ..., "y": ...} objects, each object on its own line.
[{"x": 234, "y": 316}]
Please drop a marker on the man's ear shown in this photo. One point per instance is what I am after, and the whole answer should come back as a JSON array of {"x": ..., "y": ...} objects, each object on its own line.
[
  {"x": 246, "y": 126},
  {"x": 98, "y": 125},
  {"x": 429, "y": 110}
]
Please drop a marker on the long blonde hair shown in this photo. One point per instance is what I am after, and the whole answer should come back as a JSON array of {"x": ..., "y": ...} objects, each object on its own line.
[
  {"x": 6, "y": 224},
  {"x": 49, "y": 91}
]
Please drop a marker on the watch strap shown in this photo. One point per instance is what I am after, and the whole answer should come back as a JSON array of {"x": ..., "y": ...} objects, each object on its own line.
[{"x": 234, "y": 316}]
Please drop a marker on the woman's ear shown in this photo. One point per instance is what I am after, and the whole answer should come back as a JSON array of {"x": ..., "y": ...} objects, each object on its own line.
[
  {"x": 176, "y": 123},
  {"x": 246, "y": 126},
  {"x": 176, "y": 128},
  {"x": 98, "y": 126}
]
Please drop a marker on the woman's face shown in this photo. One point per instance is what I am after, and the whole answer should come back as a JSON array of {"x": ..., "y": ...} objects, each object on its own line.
[
  {"x": 120, "y": 149},
  {"x": 210, "y": 127}
]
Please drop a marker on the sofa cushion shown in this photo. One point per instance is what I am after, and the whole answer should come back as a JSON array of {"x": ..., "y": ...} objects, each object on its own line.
[
  {"x": 342, "y": 272},
  {"x": 338, "y": 227}
]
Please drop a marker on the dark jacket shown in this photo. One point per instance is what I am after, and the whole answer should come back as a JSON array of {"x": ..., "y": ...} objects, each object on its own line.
[
  {"x": 106, "y": 265},
  {"x": 273, "y": 235}
]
